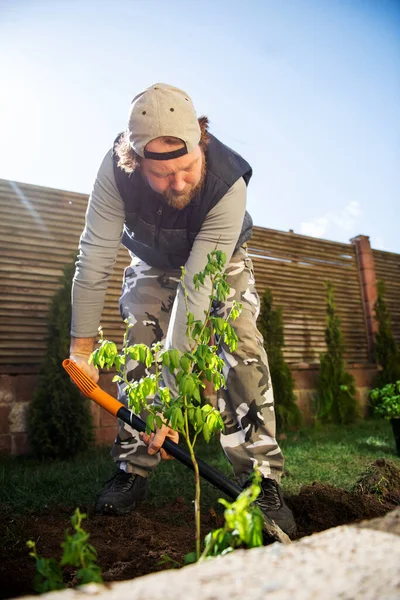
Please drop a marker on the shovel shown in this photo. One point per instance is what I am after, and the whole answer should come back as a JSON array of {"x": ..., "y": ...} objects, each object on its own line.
[{"x": 116, "y": 408}]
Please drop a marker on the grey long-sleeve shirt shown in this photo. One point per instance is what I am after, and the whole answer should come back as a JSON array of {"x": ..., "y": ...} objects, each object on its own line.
[{"x": 101, "y": 239}]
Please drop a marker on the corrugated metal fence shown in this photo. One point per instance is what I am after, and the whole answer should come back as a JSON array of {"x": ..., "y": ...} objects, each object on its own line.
[{"x": 39, "y": 233}]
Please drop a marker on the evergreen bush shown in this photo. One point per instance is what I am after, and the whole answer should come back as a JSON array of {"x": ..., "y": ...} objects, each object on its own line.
[
  {"x": 336, "y": 392},
  {"x": 386, "y": 350},
  {"x": 270, "y": 324},
  {"x": 59, "y": 421}
]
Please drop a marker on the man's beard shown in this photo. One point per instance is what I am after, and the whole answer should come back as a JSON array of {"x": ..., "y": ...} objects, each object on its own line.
[{"x": 180, "y": 200}]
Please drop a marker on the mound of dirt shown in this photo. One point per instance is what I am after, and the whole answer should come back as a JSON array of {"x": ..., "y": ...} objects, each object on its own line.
[
  {"x": 319, "y": 507},
  {"x": 382, "y": 481}
]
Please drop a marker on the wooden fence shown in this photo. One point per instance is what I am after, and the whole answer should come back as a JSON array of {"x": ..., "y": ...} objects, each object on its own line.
[
  {"x": 387, "y": 269},
  {"x": 296, "y": 269},
  {"x": 39, "y": 233}
]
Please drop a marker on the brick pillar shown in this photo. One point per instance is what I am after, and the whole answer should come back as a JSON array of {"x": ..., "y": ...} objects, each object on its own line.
[{"x": 366, "y": 268}]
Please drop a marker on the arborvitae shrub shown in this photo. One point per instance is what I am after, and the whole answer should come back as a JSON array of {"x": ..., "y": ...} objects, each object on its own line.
[
  {"x": 60, "y": 422},
  {"x": 386, "y": 350},
  {"x": 336, "y": 392},
  {"x": 270, "y": 324}
]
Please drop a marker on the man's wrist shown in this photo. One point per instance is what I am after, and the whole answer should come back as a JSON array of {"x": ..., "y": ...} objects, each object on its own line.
[{"x": 82, "y": 346}]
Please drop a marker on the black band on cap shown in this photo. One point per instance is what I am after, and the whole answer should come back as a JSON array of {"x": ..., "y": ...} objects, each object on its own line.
[{"x": 166, "y": 155}]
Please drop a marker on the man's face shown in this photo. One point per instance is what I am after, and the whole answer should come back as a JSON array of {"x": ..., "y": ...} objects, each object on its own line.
[{"x": 179, "y": 179}]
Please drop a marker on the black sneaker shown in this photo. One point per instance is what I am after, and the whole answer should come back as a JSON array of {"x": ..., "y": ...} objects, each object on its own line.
[
  {"x": 121, "y": 493},
  {"x": 273, "y": 505}
]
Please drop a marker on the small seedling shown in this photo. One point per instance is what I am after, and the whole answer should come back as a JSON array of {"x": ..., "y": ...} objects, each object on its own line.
[
  {"x": 243, "y": 524},
  {"x": 243, "y": 528},
  {"x": 77, "y": 552}
]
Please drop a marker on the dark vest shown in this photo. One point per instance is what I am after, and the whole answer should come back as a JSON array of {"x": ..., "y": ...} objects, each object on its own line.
[{"x": 163, "y": 236}]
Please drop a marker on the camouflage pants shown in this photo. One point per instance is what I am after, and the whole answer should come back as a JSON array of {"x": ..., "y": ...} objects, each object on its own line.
[{"x": 247, "y": 403}]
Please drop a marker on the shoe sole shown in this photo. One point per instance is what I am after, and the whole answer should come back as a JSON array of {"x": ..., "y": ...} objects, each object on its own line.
[
  {"x": 291, "y": 532},
  {"x": 110, "y": 509}
]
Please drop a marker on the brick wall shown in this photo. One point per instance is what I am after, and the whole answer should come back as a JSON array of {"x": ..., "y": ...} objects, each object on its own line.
[{"x": 15, "y": 394}]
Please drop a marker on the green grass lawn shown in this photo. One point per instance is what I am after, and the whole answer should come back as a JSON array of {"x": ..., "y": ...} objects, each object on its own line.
[
  {"x": 336, "y": 454},
  {"x": 333, "y": 454}
]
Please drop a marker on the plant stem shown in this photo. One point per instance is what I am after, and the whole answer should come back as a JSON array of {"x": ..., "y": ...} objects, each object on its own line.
[
  {"x": 125, "y": 351},
  {"x": 209, "y": 547},
  {"x": 207, "y": 316},
  {"x": 196, "y": 481},
  {"x": 185, "y": 296}
]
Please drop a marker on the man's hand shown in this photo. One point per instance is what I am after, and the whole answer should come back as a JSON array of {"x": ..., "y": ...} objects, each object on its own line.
[
  {"x": 81, "y": 359},
  {"x": 155, "y": 440},
  {"x": 80, "y": 351}
]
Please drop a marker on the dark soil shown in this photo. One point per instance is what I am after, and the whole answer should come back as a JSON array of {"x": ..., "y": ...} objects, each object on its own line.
[{"x": 133, "y": 545}]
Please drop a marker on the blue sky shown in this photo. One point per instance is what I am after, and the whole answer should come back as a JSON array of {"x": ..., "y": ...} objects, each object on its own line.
[{"x": 308, "y": 91}]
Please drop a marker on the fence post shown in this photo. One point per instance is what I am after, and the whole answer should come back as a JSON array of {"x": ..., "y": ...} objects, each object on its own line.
[{"x": 366, "y": 269}]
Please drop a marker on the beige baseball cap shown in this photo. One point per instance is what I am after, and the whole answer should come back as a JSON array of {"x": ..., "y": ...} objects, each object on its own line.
[{"x": 163, "y": 110}]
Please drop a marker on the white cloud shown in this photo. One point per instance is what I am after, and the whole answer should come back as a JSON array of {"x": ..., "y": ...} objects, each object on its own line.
[
  {"x": 316, "y": 227},
  {"x": 344, "y": 221},
  {"x": 353, "y": 208}
]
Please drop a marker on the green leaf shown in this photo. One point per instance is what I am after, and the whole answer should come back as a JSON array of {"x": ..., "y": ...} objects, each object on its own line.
[
  {"x": 217, "y": 380},
  {"x": 174, "y": 356},
  {"x": 190, "y": 558},
  {"x": 177, "y": 420},
  {"x": 210, "y": 269},
  {"x": 206, "y": 409},
  {"x": 197, "y": 327},
  {"x": 133, "y": 352},
  {"x": 184, "y": 363},
  {"x": 201, "y": 364},
  {"x": 206, "y": 335},
  {"x": 149, "y": 358},
  {"x": 236, "y": 310},
  {"x": 191, "y": 414},
  {"x": 220, "y": 258},
  {"x": 150, "y": 424},
  {"x": 156, "y": 347},
  {"x": 174, "y": 417},
  {"x": 90, "y": 574},
  {"x": 199, "y": 416},
  {"x": 196, "y": 392},
  {"x": 148, "y": 386},
  {"x": 209, "y": 374},
  {"x": 206, "y": 432},
  {"x": 219, "y": 324},
  {"x": 167, "y": 415},
  {"x": 186, "y": 385},
  {"x": 180, "y": 419},
  {"x": 230, "y": 337},
  {"x": 165, "y": 395}
]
